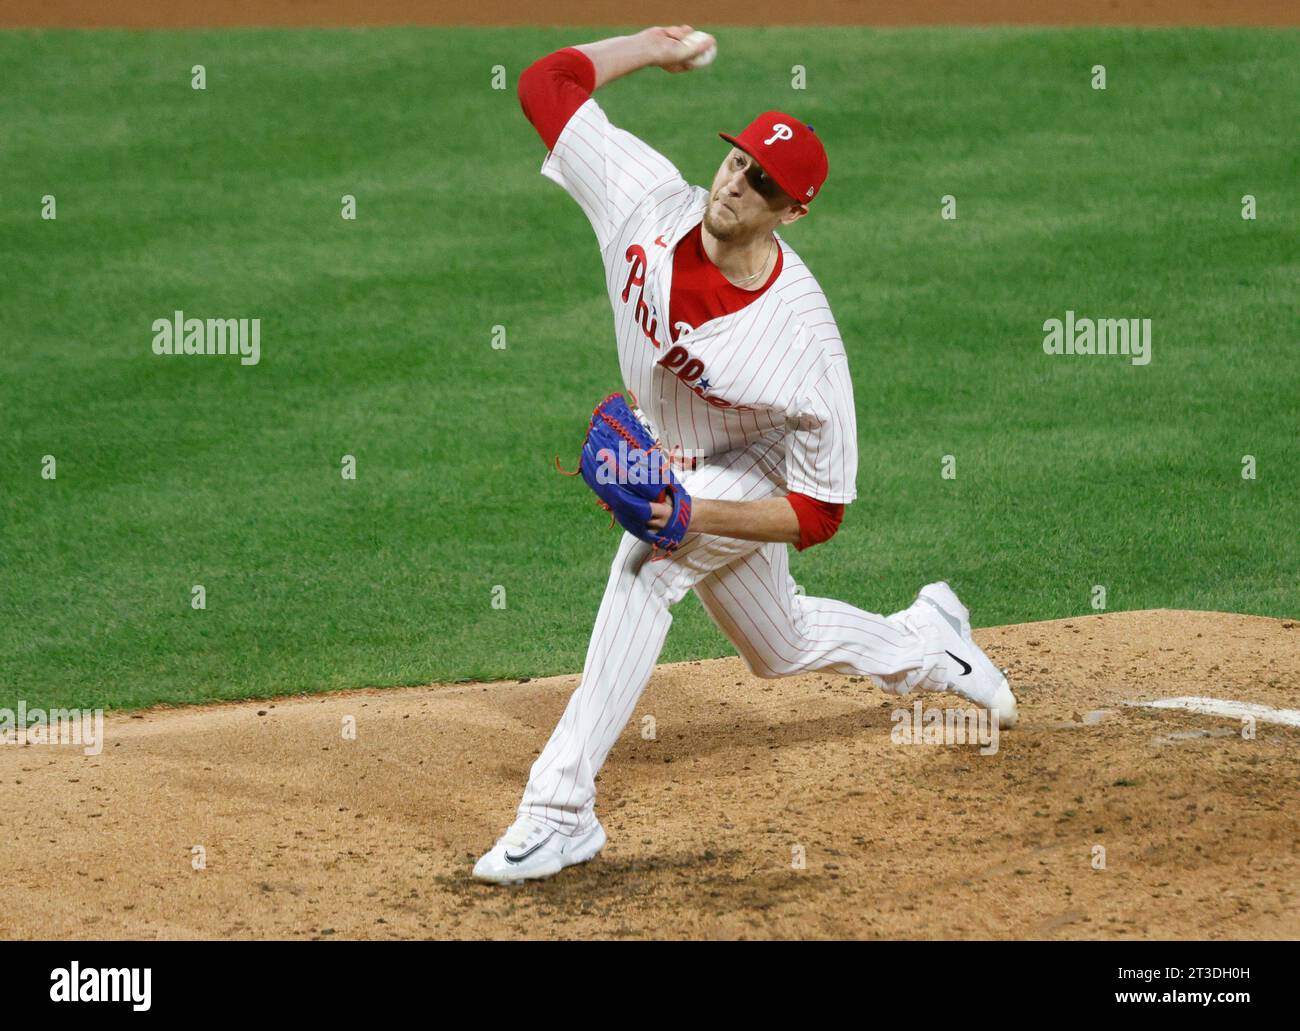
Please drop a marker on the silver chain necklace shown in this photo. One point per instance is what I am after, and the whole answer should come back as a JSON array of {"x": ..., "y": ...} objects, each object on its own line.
[{"x": 763, "y": 268}]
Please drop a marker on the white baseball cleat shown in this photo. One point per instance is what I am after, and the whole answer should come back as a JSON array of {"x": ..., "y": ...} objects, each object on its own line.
[
  {"x": 971, "y": 674},
  {"x": 529, "y": 850},
  {"x": 1004, "y": 705},
  {"x": 944, "y": 597}
]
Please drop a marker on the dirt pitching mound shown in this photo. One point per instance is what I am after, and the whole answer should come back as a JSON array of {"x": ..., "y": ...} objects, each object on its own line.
[{"x": 758, "y": 809}]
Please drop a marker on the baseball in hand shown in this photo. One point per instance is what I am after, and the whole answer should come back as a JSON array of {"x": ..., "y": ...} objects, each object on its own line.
[{"x": 692, "y": 42}]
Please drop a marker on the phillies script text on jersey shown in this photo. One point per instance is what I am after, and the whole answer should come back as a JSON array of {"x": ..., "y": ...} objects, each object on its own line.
[{"x": 678, "y": 360}]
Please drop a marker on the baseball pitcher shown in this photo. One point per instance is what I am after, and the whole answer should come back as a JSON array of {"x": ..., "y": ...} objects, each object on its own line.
[{"x": 738, "y": 412}]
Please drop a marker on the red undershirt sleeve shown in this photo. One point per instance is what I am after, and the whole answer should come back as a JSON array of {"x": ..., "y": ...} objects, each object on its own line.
[
  {"x": 552, "y": 88},
  {"x": 818, "y": 520}
]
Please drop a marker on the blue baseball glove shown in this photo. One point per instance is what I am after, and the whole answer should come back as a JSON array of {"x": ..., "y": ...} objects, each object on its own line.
[{"x": 627, "y": 470}]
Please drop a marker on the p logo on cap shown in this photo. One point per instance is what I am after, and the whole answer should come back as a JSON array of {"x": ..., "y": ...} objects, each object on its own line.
[{"x": 781, "y": 132}]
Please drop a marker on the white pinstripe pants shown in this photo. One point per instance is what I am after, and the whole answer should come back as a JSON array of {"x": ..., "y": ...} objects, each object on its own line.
[{"x": 746, "y": 588}]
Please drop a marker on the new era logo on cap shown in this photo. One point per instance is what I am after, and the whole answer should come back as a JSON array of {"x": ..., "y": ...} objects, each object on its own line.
[{"x": 788, "y": 149}]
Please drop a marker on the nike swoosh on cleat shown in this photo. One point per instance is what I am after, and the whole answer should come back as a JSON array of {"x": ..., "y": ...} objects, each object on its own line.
[
  {"x": 524, "y": 855},
  {"x": 965, "y": 669}
]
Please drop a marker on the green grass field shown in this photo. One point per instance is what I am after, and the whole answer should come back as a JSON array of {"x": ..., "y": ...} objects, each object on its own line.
[{"x": 376, "y": 341}]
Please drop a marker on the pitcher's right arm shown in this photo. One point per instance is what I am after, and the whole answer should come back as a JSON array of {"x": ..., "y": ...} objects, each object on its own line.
[{"x": 605, "y": 169}]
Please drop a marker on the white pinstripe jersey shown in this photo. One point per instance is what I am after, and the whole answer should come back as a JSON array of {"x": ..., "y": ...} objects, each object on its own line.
[{"x": 773, "y": 373}]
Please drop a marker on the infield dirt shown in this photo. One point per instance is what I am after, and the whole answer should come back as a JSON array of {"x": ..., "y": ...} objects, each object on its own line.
[{"x": 186, "y": 13}]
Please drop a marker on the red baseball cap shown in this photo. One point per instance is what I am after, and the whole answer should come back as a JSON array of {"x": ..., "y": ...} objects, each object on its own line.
[{"x": 789, "y": 151}]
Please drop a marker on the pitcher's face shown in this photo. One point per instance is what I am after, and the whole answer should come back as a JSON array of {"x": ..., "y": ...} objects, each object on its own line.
[{"x": 745, "y": 202}]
